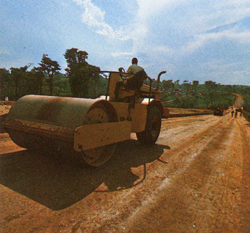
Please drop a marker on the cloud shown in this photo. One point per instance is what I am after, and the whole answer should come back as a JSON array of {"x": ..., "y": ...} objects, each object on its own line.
[
  {"x": 162, "y": 49},
  {"x": 225, "y": 72},
  {"x": 4, "y": 51},
  {"x": 201, "y": 40},
  {"x": 178, "y": 34},
  {"x": 148, "y": 8},
  {"x": 94, "y": 17},
  {"x": 120, "y": 54},
  {"x": 180, "y": 26}
]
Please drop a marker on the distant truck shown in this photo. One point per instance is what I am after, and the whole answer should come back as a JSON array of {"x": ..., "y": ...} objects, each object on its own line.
[{"x": 218, "y": 112}]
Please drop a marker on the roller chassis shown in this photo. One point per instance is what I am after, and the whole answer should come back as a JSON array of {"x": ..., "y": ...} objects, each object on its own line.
[{"x": 90, "y": 127}]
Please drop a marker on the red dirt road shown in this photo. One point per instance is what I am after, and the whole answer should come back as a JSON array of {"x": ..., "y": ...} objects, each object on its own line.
[{"x": 196, "y": 179}]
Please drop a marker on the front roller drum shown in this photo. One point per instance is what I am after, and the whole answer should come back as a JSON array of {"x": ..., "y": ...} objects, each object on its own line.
[
  {"x": 29, "y": 141},
  {"x": 153, "y": 127},
  {"x": 100, "y": 112}
]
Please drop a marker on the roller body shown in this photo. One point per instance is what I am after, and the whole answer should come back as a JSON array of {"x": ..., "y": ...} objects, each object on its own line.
[{"x": 87, "y": 126}]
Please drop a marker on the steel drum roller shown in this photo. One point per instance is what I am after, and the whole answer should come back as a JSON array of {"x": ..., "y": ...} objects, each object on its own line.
[{"x": 34, "y": 120}]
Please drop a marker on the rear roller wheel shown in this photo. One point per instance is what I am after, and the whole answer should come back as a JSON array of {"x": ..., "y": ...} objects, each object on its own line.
[
  {"x": 100, "y": 112},
  {"x": 153, "y": 127}
]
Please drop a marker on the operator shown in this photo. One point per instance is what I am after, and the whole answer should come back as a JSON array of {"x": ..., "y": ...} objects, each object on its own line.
[{"x": 136, "y": 75}]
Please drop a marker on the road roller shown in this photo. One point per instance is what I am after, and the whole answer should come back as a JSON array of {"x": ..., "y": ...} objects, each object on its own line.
[{"x": 91, "y": 127}]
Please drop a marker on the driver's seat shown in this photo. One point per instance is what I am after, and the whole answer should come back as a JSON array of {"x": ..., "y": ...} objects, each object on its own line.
[
  {"x": 124, "y": 92},
  {"x": 136, "y": 81}
]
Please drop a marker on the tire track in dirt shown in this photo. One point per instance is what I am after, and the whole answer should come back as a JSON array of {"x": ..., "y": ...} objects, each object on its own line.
[
  {"x": 126, "y": 202},
  {"x": 245, "y": 141},
  {"x": 185, "y": 129},
  {"x": 186, "y": 202},
  {"x": 161, "y": 176},
  {"x": 226, "y": 187}
]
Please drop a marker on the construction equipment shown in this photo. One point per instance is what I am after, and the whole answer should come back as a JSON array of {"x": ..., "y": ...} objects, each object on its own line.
[
  {"x": 89, "y": 126},
  {"x": 218, "y": 112}
]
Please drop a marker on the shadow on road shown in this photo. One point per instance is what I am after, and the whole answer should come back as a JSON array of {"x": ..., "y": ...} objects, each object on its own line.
[{"x": 59, "y": 181}]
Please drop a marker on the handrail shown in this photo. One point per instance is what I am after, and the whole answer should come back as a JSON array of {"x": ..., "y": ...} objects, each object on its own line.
[{"x": 158, "y": 79}]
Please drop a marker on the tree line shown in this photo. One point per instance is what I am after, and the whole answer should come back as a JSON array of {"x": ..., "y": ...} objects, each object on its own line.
[
  {"x": 78, "y": 81},
  {"x": 202, "y": 96},
  {"x": 46, "y": 78}
]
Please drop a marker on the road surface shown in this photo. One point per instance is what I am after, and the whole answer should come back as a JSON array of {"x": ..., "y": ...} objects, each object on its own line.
[{"x": 195, "y": 179}]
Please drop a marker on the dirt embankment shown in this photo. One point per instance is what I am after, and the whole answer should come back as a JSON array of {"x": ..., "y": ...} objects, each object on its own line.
[
  {"x": 183, "y": 112},
  {"x": 5, "y": 106},
  {"x": 4, "y": 109}
]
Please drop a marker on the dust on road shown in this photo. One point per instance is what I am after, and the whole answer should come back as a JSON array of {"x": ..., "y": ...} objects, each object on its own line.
[{"x": 196, "y": 179}]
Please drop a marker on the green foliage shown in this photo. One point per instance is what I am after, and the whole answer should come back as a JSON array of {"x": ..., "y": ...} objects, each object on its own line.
[
  {"x": 61, "y": 85},
  {"x": 4, "y": 74},
  {"x": 49, "y": 69},
  {"x": 200, "y": 97},
  {"x": 18, "y": 82},
  {"x": 38, "y": 77},
  {"x": 167, "y": 85},
  {"x": 246, "y": 101},
  {"x": 83, "y": 78}
]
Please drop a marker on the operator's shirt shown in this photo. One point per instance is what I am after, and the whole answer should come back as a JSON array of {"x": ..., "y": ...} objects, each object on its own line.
[{"x": 133, "y": 69}]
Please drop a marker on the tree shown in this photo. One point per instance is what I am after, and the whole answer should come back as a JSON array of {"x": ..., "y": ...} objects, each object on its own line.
[
  {"x": 187, "y": 86},
  {"x": 168, "y": 85},
  {"x": 23, "y": 82},
  {"x": 38, "y": 76},
  {"x": 81, "y": 74},
  {"x": 17, "y": 80},
  {"x": 195, "y": 84},
  {"x": 177, "y": 82},
  {"x": 3, "y": 82},
  {"x": 49, "y": 68},
  {"x": 210, "y": 85}
]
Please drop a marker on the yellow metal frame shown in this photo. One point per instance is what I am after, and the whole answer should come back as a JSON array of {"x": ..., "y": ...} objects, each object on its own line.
[
  {"x": 137, "y": 115},
  {"x": 97, "y": 135}
]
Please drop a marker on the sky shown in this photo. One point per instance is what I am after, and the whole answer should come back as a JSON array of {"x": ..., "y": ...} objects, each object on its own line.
[{"x": 190, "y": 39}]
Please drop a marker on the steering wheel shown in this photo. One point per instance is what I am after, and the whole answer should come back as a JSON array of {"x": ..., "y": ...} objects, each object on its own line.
[{"x": 121, "y": 70}]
